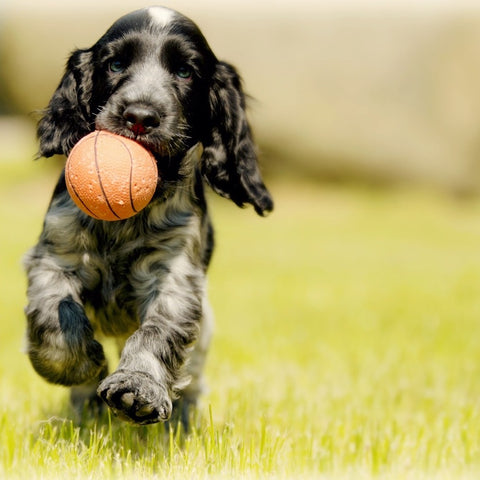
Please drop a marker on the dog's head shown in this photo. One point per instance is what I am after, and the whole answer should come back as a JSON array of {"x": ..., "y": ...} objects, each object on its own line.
[{"x": 153, "y": 77}]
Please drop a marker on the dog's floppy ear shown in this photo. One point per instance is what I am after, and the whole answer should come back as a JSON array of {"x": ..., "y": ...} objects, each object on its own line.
[
  {"x": 229, "y": 159},
  {"x": 67, "y": 117}
]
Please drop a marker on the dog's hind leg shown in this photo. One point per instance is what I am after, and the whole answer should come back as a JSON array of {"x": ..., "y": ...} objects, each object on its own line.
[
  {"x": 188, "y": 397},
  {"x": 84, "y": 398}
]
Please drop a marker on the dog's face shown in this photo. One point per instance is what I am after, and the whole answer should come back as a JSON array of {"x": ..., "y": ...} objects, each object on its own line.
[
  {"x": 152, "y": 77},
  {"x": 152, "y": 71}
]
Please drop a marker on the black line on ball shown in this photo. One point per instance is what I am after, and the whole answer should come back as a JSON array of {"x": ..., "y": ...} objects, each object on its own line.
[
  {"x": 67, "y": 174},
  {"x": 100, "y": 178},
  {"x": 131, "y": 175}
]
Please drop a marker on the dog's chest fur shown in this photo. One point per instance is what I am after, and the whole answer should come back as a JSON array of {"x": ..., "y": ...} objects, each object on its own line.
[{"x": 122, "y": 266}]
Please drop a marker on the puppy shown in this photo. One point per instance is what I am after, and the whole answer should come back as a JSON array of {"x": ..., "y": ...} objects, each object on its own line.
[{"x": 151, "y": 77}]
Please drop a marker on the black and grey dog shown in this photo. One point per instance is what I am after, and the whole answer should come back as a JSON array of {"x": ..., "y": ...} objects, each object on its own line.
[{"x": 151, "y": 77}]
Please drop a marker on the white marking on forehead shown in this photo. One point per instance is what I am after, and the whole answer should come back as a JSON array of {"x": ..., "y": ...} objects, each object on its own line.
[{"x": 161, "y": 15}]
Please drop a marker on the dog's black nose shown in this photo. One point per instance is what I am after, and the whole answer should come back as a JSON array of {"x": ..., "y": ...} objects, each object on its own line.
[{"x": 141, "y": 119}]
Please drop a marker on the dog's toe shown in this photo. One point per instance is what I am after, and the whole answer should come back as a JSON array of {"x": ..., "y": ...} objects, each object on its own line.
[
  {"x": 145, "y": 411},
  {"x": 127, "y": 400}
]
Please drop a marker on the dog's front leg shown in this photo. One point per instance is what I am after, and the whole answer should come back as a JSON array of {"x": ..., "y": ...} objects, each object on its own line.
[
  {"x": 60, "y": 341},
  {"x": 150, "y": 371}
]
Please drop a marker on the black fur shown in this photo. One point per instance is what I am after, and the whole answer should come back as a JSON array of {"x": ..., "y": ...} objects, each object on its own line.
[{"x": 151, "y": 77}]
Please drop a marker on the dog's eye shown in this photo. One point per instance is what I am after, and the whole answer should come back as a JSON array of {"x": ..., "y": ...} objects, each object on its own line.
[
  {"x": 116, "y": 66},
  {"x": 184, "y": 72}
]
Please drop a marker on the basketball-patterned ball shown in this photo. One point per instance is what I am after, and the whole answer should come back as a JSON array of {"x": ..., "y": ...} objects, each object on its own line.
[{"x": 110, "y": 177}]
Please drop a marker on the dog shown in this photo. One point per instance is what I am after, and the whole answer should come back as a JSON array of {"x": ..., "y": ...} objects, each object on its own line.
[{"x": 151, "y": 77}]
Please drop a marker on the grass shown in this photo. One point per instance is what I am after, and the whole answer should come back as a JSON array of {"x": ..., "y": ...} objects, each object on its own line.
[{"x": 347, "y": 346}]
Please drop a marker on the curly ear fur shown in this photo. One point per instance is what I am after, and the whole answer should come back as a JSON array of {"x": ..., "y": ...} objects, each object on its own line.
[
  {"x": 229, "y": 159},
  {"x": 67, "y": 117}
]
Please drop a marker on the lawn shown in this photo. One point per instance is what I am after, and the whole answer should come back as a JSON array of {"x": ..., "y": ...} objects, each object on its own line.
[{"x": 347, "y": 346}]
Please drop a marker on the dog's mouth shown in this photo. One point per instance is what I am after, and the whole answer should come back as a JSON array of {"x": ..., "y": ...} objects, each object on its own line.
[
  {"x": 154, "y": 142},
  {"x": 160, "y": 141}
]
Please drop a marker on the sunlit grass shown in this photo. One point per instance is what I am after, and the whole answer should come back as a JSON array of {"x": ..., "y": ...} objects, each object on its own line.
[{"x": 347, "y": 346}]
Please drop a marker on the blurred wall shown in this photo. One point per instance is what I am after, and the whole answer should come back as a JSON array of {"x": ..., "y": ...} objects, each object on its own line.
[{"x": 341, "y": 89}]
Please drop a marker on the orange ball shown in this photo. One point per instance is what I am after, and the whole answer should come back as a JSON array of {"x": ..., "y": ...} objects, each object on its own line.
[{"x": 110, "y": 177}]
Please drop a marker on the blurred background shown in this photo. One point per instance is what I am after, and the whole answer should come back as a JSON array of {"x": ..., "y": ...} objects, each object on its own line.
[{"x": 378, "y": 91}]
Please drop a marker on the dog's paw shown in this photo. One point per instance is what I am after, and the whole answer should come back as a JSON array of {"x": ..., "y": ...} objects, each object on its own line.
[
  {"x": 63, "y": 350},
  {"x": 65, "y": 366},
  {"x": 136, "y": 397}
]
